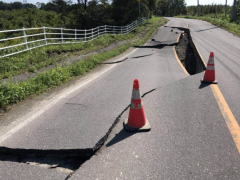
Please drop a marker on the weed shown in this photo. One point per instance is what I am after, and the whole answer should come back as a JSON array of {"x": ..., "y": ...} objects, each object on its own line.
[
  {"x": 219, "y": 21},
  {"x": 11, "y": 92}
]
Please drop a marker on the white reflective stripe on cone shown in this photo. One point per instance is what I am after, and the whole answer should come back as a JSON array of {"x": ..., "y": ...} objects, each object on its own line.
[
  {"x": 210, "y": 67},
  {"x": 211, "y": 60},
  {"x": 136, "y": 94},
  {"x": 136, "y": 106}
]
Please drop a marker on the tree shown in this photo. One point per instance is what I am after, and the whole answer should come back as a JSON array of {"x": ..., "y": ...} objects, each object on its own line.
[
  {"x": 234, "y": 11},
  {"x": 16, "y": 5}
]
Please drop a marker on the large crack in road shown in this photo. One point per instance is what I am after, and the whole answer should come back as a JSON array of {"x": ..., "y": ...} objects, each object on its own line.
[
  {"x": 70, "y": 160},
  {"x": 61, "y": 160}
]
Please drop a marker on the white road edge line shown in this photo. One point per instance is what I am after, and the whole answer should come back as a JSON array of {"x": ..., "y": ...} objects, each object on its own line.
[
  {"x": 26, "y": 120},
  {"x": 65, "y": 93}
]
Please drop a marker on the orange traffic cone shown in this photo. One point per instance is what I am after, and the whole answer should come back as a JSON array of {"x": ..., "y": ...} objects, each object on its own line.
[
  {"x": 136, "y": 120},
  {"x": 209, "y": 76}
]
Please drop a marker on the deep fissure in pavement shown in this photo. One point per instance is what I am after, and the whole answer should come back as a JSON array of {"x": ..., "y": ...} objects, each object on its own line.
[
  {"x": 61, "y": 160},
  {"x": 60, "y": 163},
  {"x": 66, "y": 161},
  {"x": 70, "y": 160},
  {"x": 188, "y": 53}
]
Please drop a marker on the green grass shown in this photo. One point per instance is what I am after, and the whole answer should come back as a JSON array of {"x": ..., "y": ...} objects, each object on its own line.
[
  {"x": 36, "y": 59},
  {"x": 219, "y": 21},
  {"x": 11, "y": 92}
]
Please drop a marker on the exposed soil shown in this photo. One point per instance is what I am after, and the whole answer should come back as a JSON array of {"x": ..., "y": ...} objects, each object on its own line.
[
  {"x": 186, "y": 54},
  {"x": 69, "y": 162}
]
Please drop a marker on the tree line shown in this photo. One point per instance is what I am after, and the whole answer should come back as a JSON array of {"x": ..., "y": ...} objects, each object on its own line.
[
  {"x": 84, "y": 14},
  {"x": 87, "y": 14},
  {"x": 216, "y": 10}
]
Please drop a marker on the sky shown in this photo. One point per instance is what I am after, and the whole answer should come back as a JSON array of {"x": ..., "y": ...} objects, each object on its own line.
[{"x": 189, "y": 2}]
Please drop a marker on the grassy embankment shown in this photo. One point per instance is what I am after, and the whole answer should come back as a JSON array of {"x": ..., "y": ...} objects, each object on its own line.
[
  {"x": 11, "y": 92},
  {"x": 219, "y": 21}
]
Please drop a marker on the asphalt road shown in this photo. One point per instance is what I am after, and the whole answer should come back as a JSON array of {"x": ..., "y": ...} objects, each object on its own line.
[
  {"x": 226, "y": 47},
  {"x": 189, "y": 140},
  {"x": 189, "y": 137},
  {"x": 15, "y": 171},
  {"x": 83, "y": 117}
]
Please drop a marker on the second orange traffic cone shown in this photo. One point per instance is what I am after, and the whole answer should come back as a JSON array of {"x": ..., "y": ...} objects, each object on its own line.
[
  {"x": 209, "y": 75},
  {"x": 136, "y": 120}
]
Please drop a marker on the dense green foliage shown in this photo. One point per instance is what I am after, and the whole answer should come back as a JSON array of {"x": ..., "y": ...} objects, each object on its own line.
[
  {"x": 215, "y": 11},
  {"x": 171, "y": 7},
  {"x": 85, "y": 14},
  {"x": 207, "y": 9},
  {"x": 34, "y": 17},
  {"x": 238, "y": 12}
]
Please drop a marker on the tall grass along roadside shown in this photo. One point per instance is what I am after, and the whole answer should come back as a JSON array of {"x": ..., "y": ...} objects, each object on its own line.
[
  {"x": 218, "y": 21},
  {"x": 11, "y": 92}
]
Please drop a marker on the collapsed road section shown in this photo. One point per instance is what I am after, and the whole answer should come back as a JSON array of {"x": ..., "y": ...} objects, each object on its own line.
[
  {"x": 70, "y": 131},
  {"x": 188, "y": 53}
]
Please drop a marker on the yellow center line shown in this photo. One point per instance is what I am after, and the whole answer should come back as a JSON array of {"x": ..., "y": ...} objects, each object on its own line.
[
  {"x": 179, "y": 37},
  {"x": 232, "y": 124},
  {"x": 230, "y": 120},
  {"x": 227, "y": 114},
  {"x": 184, "y": 69},
  {"x": 200, "y": 55}
]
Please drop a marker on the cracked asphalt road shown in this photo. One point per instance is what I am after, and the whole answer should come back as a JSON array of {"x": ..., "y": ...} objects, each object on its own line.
[
  {"x": 189, "y": 140},
  {"x": 82, "y": 118},
  {"x": 189, "y": 137}
]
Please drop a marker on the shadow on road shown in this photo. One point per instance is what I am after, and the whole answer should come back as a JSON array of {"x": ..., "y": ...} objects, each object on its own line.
[
  {"x": 206, "y": 29},
  {"x": 203, "y": 85},
  {"x": 115, "y": 61},
  {"x": 119, "y": 137},
  {"x": 158, "y": 46},
  {"x": 143, "y": 56}
]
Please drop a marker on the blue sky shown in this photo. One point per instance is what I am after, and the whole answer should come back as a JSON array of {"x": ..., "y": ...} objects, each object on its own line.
[{"x": 189, "y": 2}]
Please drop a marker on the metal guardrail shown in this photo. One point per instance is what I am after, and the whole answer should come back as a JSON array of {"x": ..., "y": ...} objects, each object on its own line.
[{"x": 31, "y": 38}]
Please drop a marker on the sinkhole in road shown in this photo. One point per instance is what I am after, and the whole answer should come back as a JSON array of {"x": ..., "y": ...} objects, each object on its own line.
[{"x": 188, "y": 53}]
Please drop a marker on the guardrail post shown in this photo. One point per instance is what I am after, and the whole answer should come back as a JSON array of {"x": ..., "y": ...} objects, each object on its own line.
[
  {"x": 121, "y": 29},
  {"x": 62, "y": 34},
  {"x": 98, "y": 31},
  {"x": 92, "y": 33},
  {"x": 85, "y": 35},
  {"x": 44, "y": 34},
  {"x": 75, "y": 35},
  {"x": 25, "y": 37},
  {"x": 105, "y": 29},
  {"x": 113, "y": 29}
]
